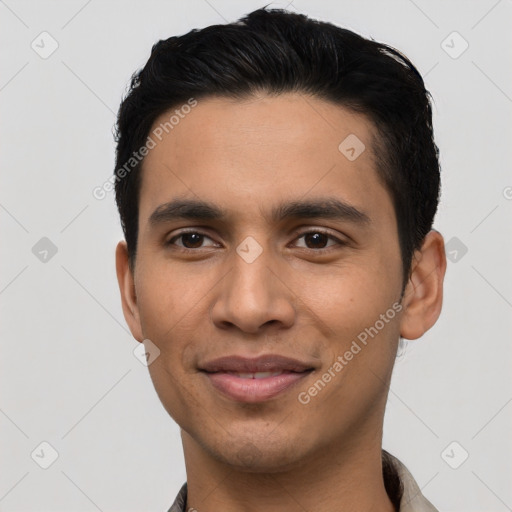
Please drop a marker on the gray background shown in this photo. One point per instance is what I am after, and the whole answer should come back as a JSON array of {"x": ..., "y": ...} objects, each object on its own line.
[{"x": 68, "y": 373}]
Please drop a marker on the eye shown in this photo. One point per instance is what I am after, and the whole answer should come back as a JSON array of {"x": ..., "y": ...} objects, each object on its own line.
[
  {"x": 191, "y": 240},
  {"x": 317, "y": 239}
]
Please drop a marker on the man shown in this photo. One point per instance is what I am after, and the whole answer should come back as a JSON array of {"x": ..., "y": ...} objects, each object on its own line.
[{"x": 277, "y": 181}]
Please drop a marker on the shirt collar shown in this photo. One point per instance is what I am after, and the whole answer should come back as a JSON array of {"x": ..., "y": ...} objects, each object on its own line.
[
  {"x": 409, "y": 494},
  {"x": 412, "y": 500}
]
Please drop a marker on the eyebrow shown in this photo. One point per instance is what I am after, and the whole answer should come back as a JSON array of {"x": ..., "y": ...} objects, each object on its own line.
[{"x": 324, "y": 208}]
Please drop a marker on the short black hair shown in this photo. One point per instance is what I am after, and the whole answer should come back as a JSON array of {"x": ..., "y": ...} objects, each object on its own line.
[{"x": 275, "y": 51}]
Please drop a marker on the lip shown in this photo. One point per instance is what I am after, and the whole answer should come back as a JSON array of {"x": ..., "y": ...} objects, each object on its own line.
[
  {"x": 221, "y": 374},
  {"x": 263, "y": 363},
  {"x": 253, "y": 390}
]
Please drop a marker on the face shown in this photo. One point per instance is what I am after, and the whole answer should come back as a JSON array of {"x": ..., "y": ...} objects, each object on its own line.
[{"x": 258, "y": 236}]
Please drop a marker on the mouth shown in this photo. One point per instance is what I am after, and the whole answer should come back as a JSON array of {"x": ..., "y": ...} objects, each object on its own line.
[
  {"x": 255, "y": 375},
  {"x": 255, "y": 380}
]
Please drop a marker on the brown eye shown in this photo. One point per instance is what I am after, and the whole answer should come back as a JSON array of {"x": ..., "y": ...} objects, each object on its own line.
[
  {"x": 317, "y": 240},
  {"x": 191, "y": 240}
]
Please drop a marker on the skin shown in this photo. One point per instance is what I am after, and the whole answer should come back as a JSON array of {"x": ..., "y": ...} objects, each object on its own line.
[{"x": 303, "y": 297}]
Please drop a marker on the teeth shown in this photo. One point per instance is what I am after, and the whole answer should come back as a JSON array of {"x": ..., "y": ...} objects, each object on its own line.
[{"x": 257, "y": 375}]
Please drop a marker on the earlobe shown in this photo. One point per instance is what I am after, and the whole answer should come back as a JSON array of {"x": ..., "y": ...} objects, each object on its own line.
[
  {"x": 128, "y": 294},
  {"x": 423, "y": 296}
]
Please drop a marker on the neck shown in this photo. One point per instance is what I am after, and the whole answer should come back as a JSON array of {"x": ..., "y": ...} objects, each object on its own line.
[{"x": 343, "y": 480}]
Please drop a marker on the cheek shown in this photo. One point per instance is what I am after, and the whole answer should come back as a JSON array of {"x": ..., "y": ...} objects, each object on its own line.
[
  {"x": 169, "y": 299},
  {"x": 362, "y": 328},
  {"x": 348, "y": 303},
  {"x": 169, "y": 318},
  {"x": 358, "y": 289},
  {"x": 173, "y": 307}
]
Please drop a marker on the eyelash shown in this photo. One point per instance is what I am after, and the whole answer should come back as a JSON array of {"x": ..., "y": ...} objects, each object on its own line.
[{"x": 298, "y": 235}]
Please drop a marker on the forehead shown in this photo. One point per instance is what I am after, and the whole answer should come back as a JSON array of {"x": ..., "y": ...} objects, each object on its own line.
[{"x": 248, "y": 154}]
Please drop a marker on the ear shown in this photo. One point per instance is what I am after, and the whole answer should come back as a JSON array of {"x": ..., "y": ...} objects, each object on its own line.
[
  {"x": 127, "y": 289},
  {"x": 423, "y": 296}
]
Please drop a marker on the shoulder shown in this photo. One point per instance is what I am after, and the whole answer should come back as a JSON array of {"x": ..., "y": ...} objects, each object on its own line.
[{"x": 411, "y": 499}]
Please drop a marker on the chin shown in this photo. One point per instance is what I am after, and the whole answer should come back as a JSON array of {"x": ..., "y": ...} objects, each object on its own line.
[{"x": 258, "y": 457}]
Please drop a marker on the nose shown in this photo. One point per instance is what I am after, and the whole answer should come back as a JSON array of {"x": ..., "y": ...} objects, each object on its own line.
[{"x": 253, "y": 296}]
